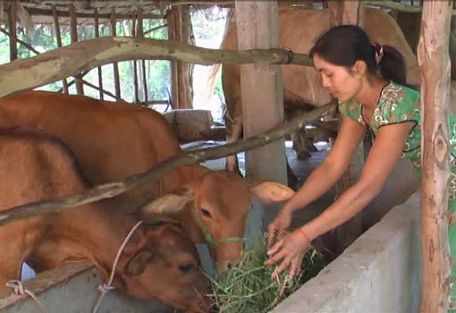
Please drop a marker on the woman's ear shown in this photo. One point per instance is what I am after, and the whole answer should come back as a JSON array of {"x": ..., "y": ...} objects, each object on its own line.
[{"x": 359, "y": 67}]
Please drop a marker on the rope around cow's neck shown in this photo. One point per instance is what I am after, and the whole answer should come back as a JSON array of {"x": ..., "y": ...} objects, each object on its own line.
[
  {"x": 19, "y": 290},
  {"x": 105, "y": 288},
  {"x": 209, "y": 237}
]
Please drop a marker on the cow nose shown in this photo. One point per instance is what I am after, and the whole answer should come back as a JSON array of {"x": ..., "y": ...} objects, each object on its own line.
[{"x": 229, "y": 265}]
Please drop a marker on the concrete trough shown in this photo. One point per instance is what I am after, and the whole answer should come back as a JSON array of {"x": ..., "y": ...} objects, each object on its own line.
[{"x": 379, "y": 273}]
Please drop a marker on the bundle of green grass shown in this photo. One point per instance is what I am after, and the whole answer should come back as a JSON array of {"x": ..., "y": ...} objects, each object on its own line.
[{"x": 249, "y": 287}]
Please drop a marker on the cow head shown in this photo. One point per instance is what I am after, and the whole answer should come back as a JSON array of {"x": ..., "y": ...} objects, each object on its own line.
[
  {"x": 162, "y": 263},
  {"x": 214, "y": 209}
]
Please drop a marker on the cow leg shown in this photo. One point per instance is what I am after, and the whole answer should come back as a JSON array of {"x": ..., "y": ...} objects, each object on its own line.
[
  {"x": 233, "y": 124},
  {"x": 302, "y": 145},
  {"x": 293, "y": 181}
]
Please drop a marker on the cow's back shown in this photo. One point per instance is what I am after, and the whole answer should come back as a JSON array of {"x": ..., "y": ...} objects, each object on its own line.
[
  {"x": 110, "y": 140},
  {"x": 298, "y": 30}
]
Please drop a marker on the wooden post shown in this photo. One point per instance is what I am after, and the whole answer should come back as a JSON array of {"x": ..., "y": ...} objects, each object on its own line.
[
  {"x": 179, "y": 29},
  {"x": 433, "y": 59},
  {"x": 174, "y": 80},
  {"x": 185, "y": 70},
  {"x": 12, "y": 20},
  {"x": 74, "y": 38},
  {"x": 100, "y": 72},
  {"x": 135, "y": 63},
  {"x": 142, "y": 69},
  {"x": 58, "y": 37},
  {"x": 115, "y": 65},
  {"x": 346, "y": 12},
  {"x": 261, "y": 88}
]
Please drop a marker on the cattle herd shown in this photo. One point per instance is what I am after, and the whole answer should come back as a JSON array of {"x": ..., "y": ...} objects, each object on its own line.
[{"x": 55, "y": 145}]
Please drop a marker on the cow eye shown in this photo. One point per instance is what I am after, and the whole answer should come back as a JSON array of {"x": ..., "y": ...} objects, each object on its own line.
[
  {"x": 186, "y": 267},
  {"x": 206, "y": 213}
]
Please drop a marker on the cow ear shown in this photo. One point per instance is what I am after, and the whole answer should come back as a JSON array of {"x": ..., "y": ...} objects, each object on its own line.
[
  {"x": 167, "y": 204},
  {"x": 137, "y": 265},
  {"x": 270, "y": 192}
]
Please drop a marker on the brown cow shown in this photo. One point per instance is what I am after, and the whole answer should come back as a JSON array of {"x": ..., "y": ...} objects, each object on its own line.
[
  {"x": 159, "y": 262},
  {"x": 115, "y": 140},
  {"x": 298, "y": 30}
]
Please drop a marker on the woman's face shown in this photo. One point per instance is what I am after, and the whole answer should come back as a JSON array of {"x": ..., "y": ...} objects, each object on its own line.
[{"x": 343, "y": 83}]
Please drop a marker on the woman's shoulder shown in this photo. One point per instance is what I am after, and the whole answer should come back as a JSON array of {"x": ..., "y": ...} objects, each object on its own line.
[
  {"x": 398, "y": 103},
  {"x": 395, "y": 93}
]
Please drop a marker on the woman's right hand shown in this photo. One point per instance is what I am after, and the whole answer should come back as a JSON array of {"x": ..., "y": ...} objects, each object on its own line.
[{"x": 277, "y": 229}]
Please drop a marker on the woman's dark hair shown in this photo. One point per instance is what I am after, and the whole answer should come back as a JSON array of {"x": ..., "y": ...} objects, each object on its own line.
[{"x": 344, "y": 45}]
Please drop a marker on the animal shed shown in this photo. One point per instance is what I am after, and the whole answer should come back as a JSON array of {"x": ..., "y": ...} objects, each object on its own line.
[{"x": 101, "y": 8}]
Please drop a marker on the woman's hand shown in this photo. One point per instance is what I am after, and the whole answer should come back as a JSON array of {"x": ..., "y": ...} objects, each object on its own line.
[
  {"x": 290, "y": 249},
  {"x": 279, "y": 226}
]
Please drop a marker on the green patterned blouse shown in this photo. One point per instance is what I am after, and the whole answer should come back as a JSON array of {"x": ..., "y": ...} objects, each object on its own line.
[{"x": 399, "y": 104}]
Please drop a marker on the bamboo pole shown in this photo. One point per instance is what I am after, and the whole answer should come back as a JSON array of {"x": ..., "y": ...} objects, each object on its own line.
[
  {"x": 99, "y": 71},
  {"x": 433, "y": 60},
  {"x": 113, "y": 189},
  {"x": 58, "y": 37},
  {"x": 114, "y": 64},
  {"x": 74, "y": 39},
  {"x": 57, "y": 64},
  {"x": 12, "y": 20}
]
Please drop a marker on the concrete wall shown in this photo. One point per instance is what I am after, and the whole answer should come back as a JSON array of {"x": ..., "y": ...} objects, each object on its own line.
[
  {"x": 379, "y": 272},
  {"x": 73, "y": 289}
]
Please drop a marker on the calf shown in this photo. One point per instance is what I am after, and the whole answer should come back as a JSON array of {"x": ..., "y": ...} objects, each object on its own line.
[{"x": 158, "y": 262}]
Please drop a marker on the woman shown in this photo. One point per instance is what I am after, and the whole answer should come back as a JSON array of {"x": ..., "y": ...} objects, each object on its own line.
[{"x": 369, "y": 82}]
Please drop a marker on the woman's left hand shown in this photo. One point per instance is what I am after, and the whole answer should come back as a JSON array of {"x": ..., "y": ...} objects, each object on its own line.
[{"x": 290, "y": 249}]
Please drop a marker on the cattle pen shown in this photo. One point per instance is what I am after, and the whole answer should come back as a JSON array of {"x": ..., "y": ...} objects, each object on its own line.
[{"x": 400, "y": 264}]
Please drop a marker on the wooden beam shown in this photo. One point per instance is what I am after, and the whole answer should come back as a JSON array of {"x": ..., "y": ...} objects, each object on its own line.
[
  {"x": 257, "y": 27},
  {"x": 12, "y": 21},
  {"x": 83, "y": 56},
  {"x": 114, "y": 64},
  {"x": 58, "y": 36},
  {"x": 433, "y": 59},
  {"x": 102, "y": 16},
  {"x": 74, "y": 39}
]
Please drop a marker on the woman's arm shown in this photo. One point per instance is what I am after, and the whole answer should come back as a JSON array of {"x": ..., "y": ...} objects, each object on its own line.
[
  {"x": 332, "y": 168},
  {"x": 384, "y": 154},
  {"x": 382, "y": 157}
]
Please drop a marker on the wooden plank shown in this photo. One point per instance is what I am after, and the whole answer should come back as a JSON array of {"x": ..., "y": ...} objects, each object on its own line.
[
  {"x": 433, "y": 59},
  {"x": 99, "y": 71},
  {"x": 257, "y": 27},
  {"x": 12, "y": 21},
  {"x": 74, "y": 38},
  {"x": 114, "y": 64},
  {"x": 58, "y": 37}
]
